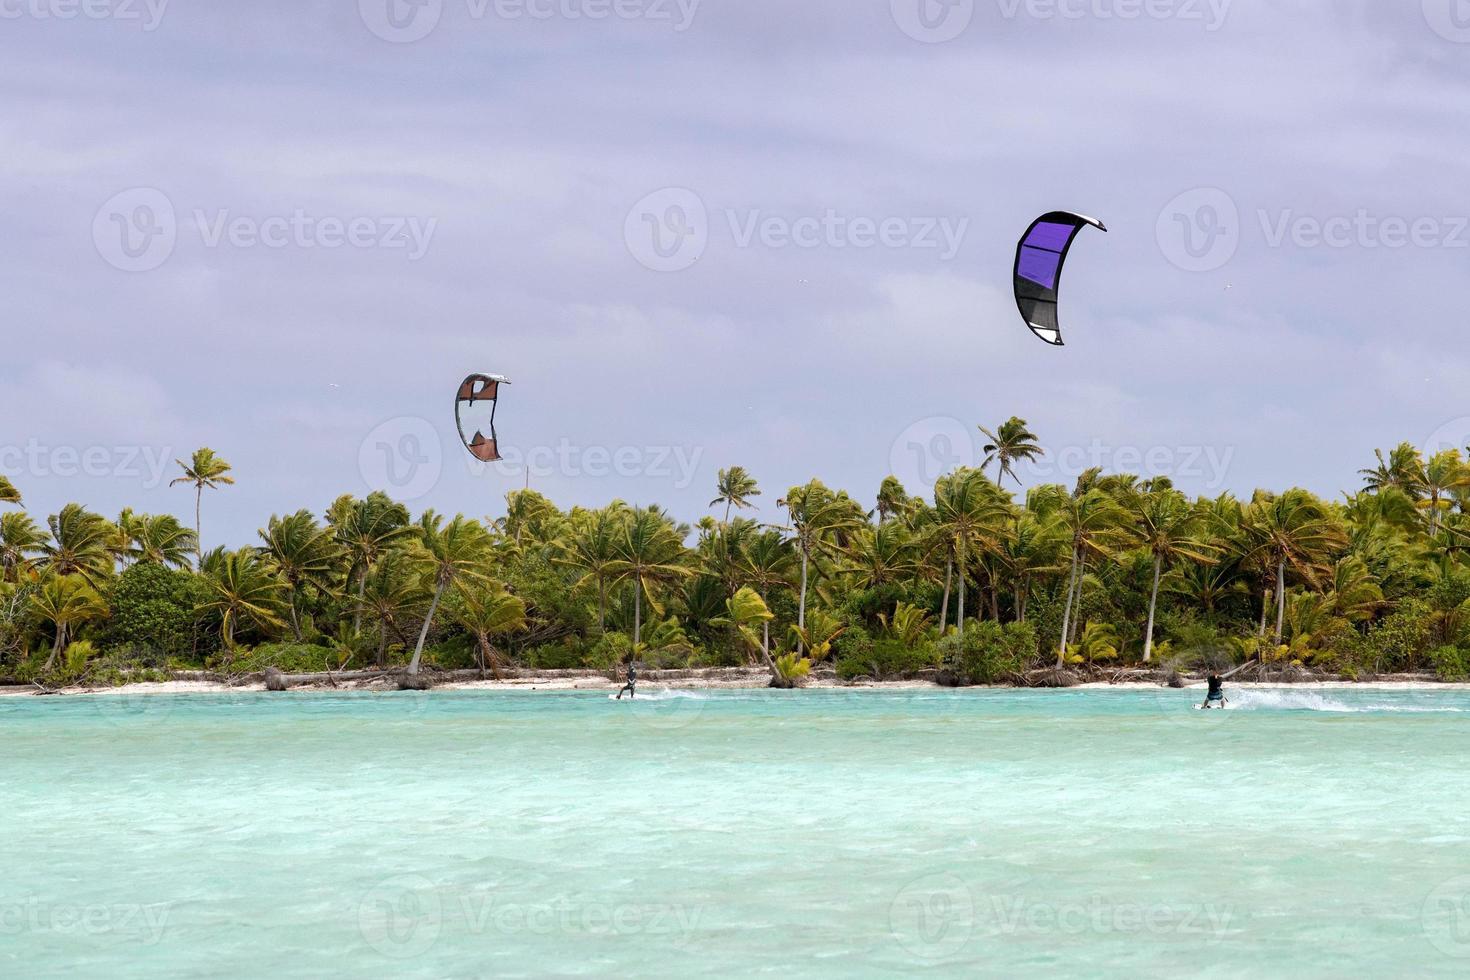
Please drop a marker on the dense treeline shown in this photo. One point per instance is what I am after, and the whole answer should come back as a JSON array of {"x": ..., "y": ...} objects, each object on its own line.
[{"x": 969, "y": 580}]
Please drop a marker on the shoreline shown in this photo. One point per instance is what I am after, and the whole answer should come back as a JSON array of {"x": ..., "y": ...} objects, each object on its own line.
[{"x": 713, "y": 679}]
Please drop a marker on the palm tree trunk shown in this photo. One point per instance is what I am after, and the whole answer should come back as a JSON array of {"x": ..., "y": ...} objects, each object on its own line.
[
  {"x": 56, "y": 648},
  {"x": 361, "y": 590},
  {"x": 1280, "y": 599},
  {"x": 198, "y": 525},
  {"x": 383, "y": 643},
  {"x": 295, "y": 618},
  {"x": 1153, "y": 602},
  {"x": 1265, "y": 606},
  {"x": 637, "y": 614},
  {"x": 1081, "y": 581},
  {"x": 994, "y": 597},
  {"x": 728, "y": 502},
  {"x": 944, "y": 609},
  {"x": 801, "y": 607},
  {"x": 1067, "y": 612},
  {"x": 960, "y": 560},
  {"x": 601, "y": 604},
  {"x": 418, "y": 650}
]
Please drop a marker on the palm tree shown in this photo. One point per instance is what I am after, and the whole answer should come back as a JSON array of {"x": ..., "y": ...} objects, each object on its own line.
[
  {"x": 881, "y": 555},
  {"x": 242, "y": 590},
  {"x": 817, "y": 517},
  {"x": 448, "y": 554},
  {"x": 971, "y": 514},
  {"x": 1292, "y": 531},
  {"x": 648, "y": 553},
  {"x": 8, "y": 493},
  {"x": 1167, "y": 527},
  {"x": 161, "y": 539},
  {"x": 892, "y": 499},
  {"x": 65, "y": 601},
  {"x": 742, "y": 611},
  {"x": 1030, "y": 549},
  {"x": 592, "y": 548},
  {"x": 486, "y": 610},
  {"x": 1089, "y": 520},
  {"x": 303, "y": 553},
  {"x": 735, "y": 488},
  {"x": 79, "y": 545},
  {"x": 20, "y": 541},
  {"x": 1401, "y": 470},
  {"x": 392, "y": 592},
  {"x": 770, "y": 562},
  {"x": 1442, "y": 476},
  {"x": 205, "y": 470},
  {"x": 366, "y": 530},
  {"x": 1009, "y": 444}
]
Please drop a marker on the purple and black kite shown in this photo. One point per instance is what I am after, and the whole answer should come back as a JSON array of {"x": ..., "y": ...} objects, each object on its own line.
[{"x": 1039, "y": 260}]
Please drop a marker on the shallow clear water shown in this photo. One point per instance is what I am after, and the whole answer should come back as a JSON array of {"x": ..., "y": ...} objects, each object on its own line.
[{"x": 1090, "y": 833}]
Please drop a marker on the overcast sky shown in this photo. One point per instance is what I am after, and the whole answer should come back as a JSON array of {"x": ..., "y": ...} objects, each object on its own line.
[{"x": 760, "y": 232}]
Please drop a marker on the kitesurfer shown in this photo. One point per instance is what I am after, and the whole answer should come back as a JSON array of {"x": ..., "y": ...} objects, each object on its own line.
[
  {"x": 632, "y": 684},
  {"x": 1216, "y": 696}
]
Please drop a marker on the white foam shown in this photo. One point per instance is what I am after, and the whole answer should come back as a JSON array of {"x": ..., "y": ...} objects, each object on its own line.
[{"x": 1280, "y": 700}]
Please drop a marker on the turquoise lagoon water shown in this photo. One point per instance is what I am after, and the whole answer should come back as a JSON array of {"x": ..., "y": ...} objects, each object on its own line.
[{"x": 993, "y": 833}]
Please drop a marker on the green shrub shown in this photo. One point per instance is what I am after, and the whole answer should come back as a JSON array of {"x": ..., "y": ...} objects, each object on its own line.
[
  {"x": 885, "y": 659},
  {"x": 1451, "y": 663},
  {"x": 989, "y": 653},
  {"x": 289, "y": 658},
  {"x": 153, "y": 611}
]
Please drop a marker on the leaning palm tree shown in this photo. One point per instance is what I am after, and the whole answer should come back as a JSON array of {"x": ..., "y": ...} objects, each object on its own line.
[
  {"x": 649, "y": 552},
  {"x": 487, "y": 610},
  {"x": 8, "y": 493},
  {"x": 448, "y": 554},
  {"x": 21, "y": 540},
  {"x": 65, "y": 601},
  {"x": 242, "y": 591},
  {"x": 304, "y": 554},
  {"x": 1166, "y": 526},
  {"x": 734, "y": 488},
  {"x": 892, "y": 499},
  {"x": 1010, "y": 444},
  {"x": 742, "y": 611},
  {"x": 204, "y": 471},
  {"x": 79, "y": 545},
  {"x": 1292, "y": 531}
]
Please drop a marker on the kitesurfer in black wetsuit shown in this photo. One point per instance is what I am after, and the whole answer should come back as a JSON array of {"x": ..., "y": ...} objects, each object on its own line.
[
  {"x": 1216, "y": 697},
  {"x": 632, "y": 682}
]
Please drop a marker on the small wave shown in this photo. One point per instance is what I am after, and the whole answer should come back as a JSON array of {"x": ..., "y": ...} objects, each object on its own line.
[
  {"x": 671, "y": 694},
  {"x": 1249, "y": 700}
]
